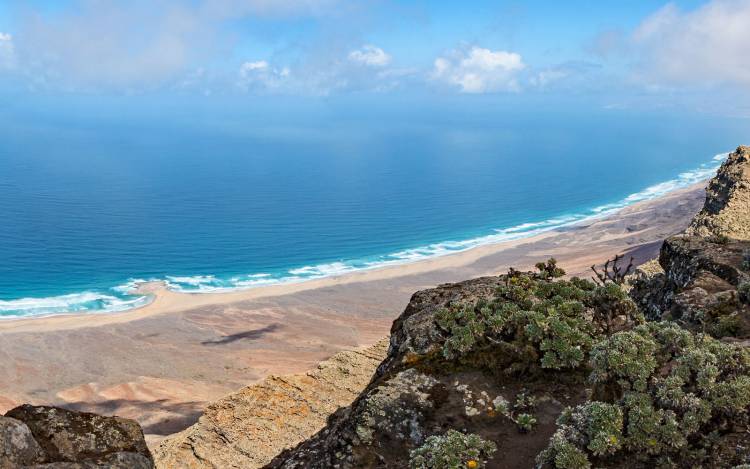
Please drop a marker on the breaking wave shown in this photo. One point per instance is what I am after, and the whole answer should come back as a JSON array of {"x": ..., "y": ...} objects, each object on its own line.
[{"x": 122, "y": 297}]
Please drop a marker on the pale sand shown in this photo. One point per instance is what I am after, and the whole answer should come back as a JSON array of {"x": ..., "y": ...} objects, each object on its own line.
[{"x": 163, "y": 362}]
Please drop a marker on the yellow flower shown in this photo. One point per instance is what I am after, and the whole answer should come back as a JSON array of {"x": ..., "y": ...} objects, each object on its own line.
[{"x": 472, "y": 464}]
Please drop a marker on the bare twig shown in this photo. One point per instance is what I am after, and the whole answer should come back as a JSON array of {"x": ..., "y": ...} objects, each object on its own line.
[{"x": 615, "y": 275}]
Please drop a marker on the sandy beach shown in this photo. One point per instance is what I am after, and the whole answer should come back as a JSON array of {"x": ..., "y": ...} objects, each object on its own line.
[{"x": 162, "y": 363}]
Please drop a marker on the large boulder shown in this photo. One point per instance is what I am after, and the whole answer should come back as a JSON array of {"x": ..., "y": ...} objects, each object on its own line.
[
  {"x": 700, "y": 286},
  {"x": 55, "y": 438}
]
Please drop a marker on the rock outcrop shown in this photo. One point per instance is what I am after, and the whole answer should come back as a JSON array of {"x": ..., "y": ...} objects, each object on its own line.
[
  {"x": 417, "y": 393},
  {"x": 704, "y": 270},
  {"x": 725, "y": 212},
  {"x": 39, "y": 437},
  {"x": 248, "y": 428}
]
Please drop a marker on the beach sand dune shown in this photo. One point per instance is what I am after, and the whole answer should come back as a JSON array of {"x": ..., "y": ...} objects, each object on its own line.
[{"x": 162, "y": 363}]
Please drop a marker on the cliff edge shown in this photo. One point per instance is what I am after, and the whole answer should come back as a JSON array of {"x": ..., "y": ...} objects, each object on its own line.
[
  {"x": 725, "y": 212},
  {"x": 248, "y": 428}
]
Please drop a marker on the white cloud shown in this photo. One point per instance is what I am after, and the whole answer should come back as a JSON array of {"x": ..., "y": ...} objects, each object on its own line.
[
  {"x": 371, "y": 56},
  {"x": 479, "y": 70},
  {"x": 708, "y": 45},
  {"x": 7, "y": 52},
  {"x": 261, "y": 76},
  {"x": 138, "y": 44}
]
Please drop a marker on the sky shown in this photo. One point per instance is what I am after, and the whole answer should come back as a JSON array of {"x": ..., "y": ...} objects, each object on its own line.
[{"x": 687, "y": 55}]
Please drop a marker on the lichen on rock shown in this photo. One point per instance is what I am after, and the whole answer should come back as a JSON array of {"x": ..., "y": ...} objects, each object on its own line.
[{"x": 53, "y": 438}]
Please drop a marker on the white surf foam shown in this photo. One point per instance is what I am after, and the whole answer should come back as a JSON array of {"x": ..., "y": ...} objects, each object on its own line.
[{"x": 120, "y": 299}]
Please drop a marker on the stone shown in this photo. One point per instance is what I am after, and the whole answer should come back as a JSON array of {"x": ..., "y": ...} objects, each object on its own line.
[
  {"x": 17, "y": 445},
  {"x": 82, "y": 439}
]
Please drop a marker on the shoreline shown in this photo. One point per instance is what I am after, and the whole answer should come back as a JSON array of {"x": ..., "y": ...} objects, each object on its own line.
[
  {"x": 129, "y": 296},
  {"x": 163, "y": 363},
  {"x": 164, "y": 300}
]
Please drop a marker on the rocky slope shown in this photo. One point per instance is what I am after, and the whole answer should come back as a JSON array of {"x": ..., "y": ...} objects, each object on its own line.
[
  {"x": 700, "y": 283},
  {"x": 52, "y": 438},
  {"x": 248, "y": 428},
  {"x": 417, "y": 393}
]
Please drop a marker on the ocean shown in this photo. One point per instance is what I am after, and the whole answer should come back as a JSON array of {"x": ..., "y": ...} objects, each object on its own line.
[{"x": 209, "y": 199}]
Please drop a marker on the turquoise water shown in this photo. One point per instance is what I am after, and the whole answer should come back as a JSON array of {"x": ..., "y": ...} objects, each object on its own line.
[{"x": 212, "y": 200}]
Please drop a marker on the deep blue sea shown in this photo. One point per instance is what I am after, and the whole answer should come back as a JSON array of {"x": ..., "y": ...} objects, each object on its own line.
[{"x": 210, "y": 199}]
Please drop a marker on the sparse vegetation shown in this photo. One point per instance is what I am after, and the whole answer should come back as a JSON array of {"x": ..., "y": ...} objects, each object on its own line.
[
  {"x": 520, "y": 412},
  {"x": 721, "y": 239},
  {"x": 660, "y": 390},
  {"x": 612, "y": 272},
  {"x": 539, "y": 315},
  {"x": 452, "y": 450},
  {"x": 746, "y": 260}
]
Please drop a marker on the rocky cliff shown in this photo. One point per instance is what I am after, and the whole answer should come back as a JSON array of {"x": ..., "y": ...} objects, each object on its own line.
[
  {"x": 704, "y": 273},
  {"x": 725, "y": 212},
  {"x": 248, "y": 428}
]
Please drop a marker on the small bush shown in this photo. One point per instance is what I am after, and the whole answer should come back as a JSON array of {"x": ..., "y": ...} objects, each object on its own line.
[
  {"x": 519, "y": 412},
  {"x": 525, "y": 422},
  {"x": 452, "y": 450},
  {"x": 744, "y": 292},
  {"x": 746, "y": 260},
  {"x": 666, "y": 390},
  {"x": 720, "y": 239}
]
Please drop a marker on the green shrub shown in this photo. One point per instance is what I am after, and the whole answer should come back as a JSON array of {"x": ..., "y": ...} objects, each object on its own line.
[
  {"x": 538, "y": 315},
  {"x": 525, "y": 422},
  {"x": 720, "y": 239},
  {"x": 666, "y": 388},
  {"x": 728, "y": 325},
  {"x": 746, "y": 259},
  {"x": 744, "y": 292},
  {"x": 452, "y": 450},
  {"x": 519, "y": 412}
]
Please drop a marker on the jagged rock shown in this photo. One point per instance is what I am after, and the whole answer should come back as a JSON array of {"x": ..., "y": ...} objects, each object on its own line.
[
  {"x": 17, "y": 445},
  {"x": 66, "y": 439},
  {"x": 727, "y": 208},
  {"x": 416, "y": 393},
  {"x": 121, "y": 460},
  {"x": 248, "y": 428},
  {"x": 703, "y": 267},
  {"x": 414, "y": 333}
]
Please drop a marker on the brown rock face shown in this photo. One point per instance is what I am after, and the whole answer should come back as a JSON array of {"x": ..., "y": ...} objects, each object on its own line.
[
  {"x": 727, "y": 208},
  {"x": 248, "y": 428},
  {"x": 54, "y": 438},
  {"x": 705, "y": 268}
]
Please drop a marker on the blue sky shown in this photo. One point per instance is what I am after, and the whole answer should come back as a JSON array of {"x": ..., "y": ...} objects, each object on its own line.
[{"x": 685, "y": 53}]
